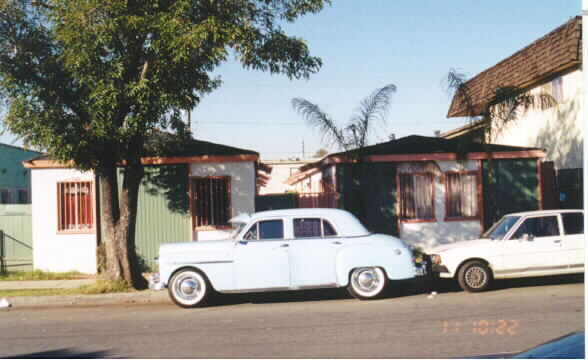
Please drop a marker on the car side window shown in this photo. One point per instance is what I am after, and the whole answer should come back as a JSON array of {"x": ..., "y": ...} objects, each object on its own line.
[
  {"x": 573, "y": 223},
  {"x": 251, "y": 234},
  {"x": 271, "y": 229},
  {"x": 313, "y": 227},
  {"x": 538, "y": 227},
  {"x": 328, "y": 229},
  {"x": 305, "y": 228}
]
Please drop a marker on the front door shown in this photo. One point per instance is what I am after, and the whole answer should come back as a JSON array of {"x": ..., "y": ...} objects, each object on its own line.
[
  {"x": 535, "y": 247},
  {"x": 261, "y": 258}
]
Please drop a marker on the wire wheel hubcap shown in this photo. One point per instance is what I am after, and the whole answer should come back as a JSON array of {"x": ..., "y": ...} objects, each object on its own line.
[{"x": 475, "y": 277}]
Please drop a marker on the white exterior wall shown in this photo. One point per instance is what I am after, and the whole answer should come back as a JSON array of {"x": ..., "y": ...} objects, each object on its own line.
[
  {"x": 559, "y": 129},
  {"x": 429, "y": 234},
  {"x": 281, "y": 171},
  {"x": 310, "y": 184},
  {"x": 52, "y": 251},
  {"x": 242, "y": 191}
]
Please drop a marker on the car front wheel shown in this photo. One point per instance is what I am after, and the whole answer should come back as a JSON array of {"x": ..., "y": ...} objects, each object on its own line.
[
  {"x": 367, "y": 283},
  {"x": 189, "y": 288},
  {"x": 474, "y": 276}
]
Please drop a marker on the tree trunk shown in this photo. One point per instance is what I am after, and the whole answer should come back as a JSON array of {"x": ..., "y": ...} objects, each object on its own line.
[{"x": 119, "y": 212}]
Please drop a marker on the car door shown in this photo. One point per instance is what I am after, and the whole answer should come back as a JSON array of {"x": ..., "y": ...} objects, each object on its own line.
[
  {"x": 535, "y": 246},
  {"x": 573, "y": 240},
  {"x": 312, "y": 253},
  {"x": 261, "y": 257}
]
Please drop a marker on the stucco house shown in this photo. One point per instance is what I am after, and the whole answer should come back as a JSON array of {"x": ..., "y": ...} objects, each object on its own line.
[
  {"x": 187, "y": 195},
  {"x": 550, "y": 65},
  {"x": 15, "y": 180},
  {"x": 431, "y": 190}
]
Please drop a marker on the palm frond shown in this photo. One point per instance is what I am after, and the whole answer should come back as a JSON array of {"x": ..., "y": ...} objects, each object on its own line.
[
  {"x": 371, "y": 109},
  {"x": 457, "y": 86},
  {"x": 315, "y": 117}
]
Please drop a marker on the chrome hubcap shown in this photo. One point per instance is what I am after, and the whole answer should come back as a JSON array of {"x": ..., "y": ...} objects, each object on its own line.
[
  {"x": 366, "y": 280},
  {"x": 189, "y": 288},
  {"x": 475, "y": 277}
]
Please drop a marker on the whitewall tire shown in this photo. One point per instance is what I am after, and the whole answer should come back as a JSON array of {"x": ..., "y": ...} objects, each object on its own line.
[
  {"x": 367, "y": 283},
  {"x": 189, "y": 288}
]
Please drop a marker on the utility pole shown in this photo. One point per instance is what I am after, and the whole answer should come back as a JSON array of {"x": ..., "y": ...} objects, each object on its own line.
[{"x": 303, "y": 149}]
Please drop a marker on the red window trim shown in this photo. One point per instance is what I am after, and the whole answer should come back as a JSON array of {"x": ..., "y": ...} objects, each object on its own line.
[
  {"x": 479, "y": 204},
  {"x": 92, "y": 226},
  {"x": 398, "y": 189}
]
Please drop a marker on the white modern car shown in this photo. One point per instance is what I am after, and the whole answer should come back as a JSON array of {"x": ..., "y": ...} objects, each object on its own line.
[
  {"x": 286, "y": 250},
  {"x": 526, "y": 244}
]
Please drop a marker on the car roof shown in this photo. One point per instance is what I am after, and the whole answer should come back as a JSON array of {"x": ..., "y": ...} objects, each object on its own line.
[
  {"x": 345, "y": 223},
  {"x": 545, "y": 212}
]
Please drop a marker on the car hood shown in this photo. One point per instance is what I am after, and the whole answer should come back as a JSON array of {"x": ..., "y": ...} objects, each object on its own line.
[{"x": 480, "y": 243}]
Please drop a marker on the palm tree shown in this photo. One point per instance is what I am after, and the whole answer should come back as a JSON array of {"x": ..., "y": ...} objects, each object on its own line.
[
  {"x": 354, "y": 136},
  {"x": 504, "y": 107}
]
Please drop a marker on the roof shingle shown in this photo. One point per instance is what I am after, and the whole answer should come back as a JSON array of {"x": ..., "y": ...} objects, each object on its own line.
[{"x": 555, "y": 52}]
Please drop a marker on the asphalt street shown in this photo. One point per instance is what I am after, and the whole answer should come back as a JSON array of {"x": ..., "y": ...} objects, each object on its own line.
[{"x": 318, "y": 324}]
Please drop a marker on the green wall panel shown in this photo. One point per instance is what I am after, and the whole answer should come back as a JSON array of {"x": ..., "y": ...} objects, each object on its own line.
[
  {"x": 163, "y": 210},
  {"x": 509, "y": 186},
  {"x": 369, "y": 192},
  {"x": 16, "y": 239}
]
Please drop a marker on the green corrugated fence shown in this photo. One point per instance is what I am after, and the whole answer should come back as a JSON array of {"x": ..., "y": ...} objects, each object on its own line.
[{"x": 16, "y": 238}]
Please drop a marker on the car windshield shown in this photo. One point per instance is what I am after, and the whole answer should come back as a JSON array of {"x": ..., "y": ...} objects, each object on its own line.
[
  {"x": 237, "y": 227},
  {"x": 499, "y": 230}
]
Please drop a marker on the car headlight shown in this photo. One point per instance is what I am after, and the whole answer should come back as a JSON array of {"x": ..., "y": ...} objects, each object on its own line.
[{"x": 435, "y": 259}]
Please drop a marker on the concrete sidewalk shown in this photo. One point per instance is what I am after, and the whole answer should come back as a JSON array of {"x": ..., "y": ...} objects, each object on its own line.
[{"x": 135, "y": 297}]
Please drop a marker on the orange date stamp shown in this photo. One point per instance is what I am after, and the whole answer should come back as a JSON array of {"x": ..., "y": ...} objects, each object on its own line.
[{"x": 500, "y": 327}]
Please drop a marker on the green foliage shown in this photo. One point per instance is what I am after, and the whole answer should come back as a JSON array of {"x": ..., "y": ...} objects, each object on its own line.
[{"x": 88, "y": 80}]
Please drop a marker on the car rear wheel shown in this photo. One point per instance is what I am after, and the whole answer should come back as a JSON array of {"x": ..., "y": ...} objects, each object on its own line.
[
  {"x": 474, "y": 276},
  {"x": 367, "y": 283},
  {"x": 189, "y": 288}
]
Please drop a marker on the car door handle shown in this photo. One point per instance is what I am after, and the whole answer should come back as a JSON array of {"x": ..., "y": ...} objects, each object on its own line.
[
  {"x": 557, "y": 241},
  {"x": 337, "y": 243},
  {"x": 284, "y": 245}
]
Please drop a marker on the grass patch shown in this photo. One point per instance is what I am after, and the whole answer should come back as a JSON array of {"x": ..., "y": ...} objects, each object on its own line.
[
  {"x": 39, "y": 275},
  {"x": 101, "y": 287}
]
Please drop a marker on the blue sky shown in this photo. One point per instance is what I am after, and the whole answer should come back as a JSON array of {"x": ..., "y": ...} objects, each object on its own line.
[{"x": 365, "y": 45}]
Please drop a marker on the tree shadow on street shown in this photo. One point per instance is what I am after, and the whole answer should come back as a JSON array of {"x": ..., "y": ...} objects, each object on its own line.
[{"x": 62, "y": 354}]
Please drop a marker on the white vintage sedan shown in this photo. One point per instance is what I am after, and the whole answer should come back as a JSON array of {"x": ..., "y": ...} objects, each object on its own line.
[
  {"x": 535, "y": 243},
  {"x": 286, "y": 250}
]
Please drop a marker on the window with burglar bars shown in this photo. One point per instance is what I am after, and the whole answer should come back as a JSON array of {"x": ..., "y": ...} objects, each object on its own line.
[
  {"x": 416, "y": 197},
  {"x": 211, "y": 201},
  {"x": 462, "y": 195},
  {"x": 75, "y": 210}
]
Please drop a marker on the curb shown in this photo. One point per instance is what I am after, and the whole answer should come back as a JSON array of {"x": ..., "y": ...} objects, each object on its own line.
[{"x": 140, "y": 297}]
